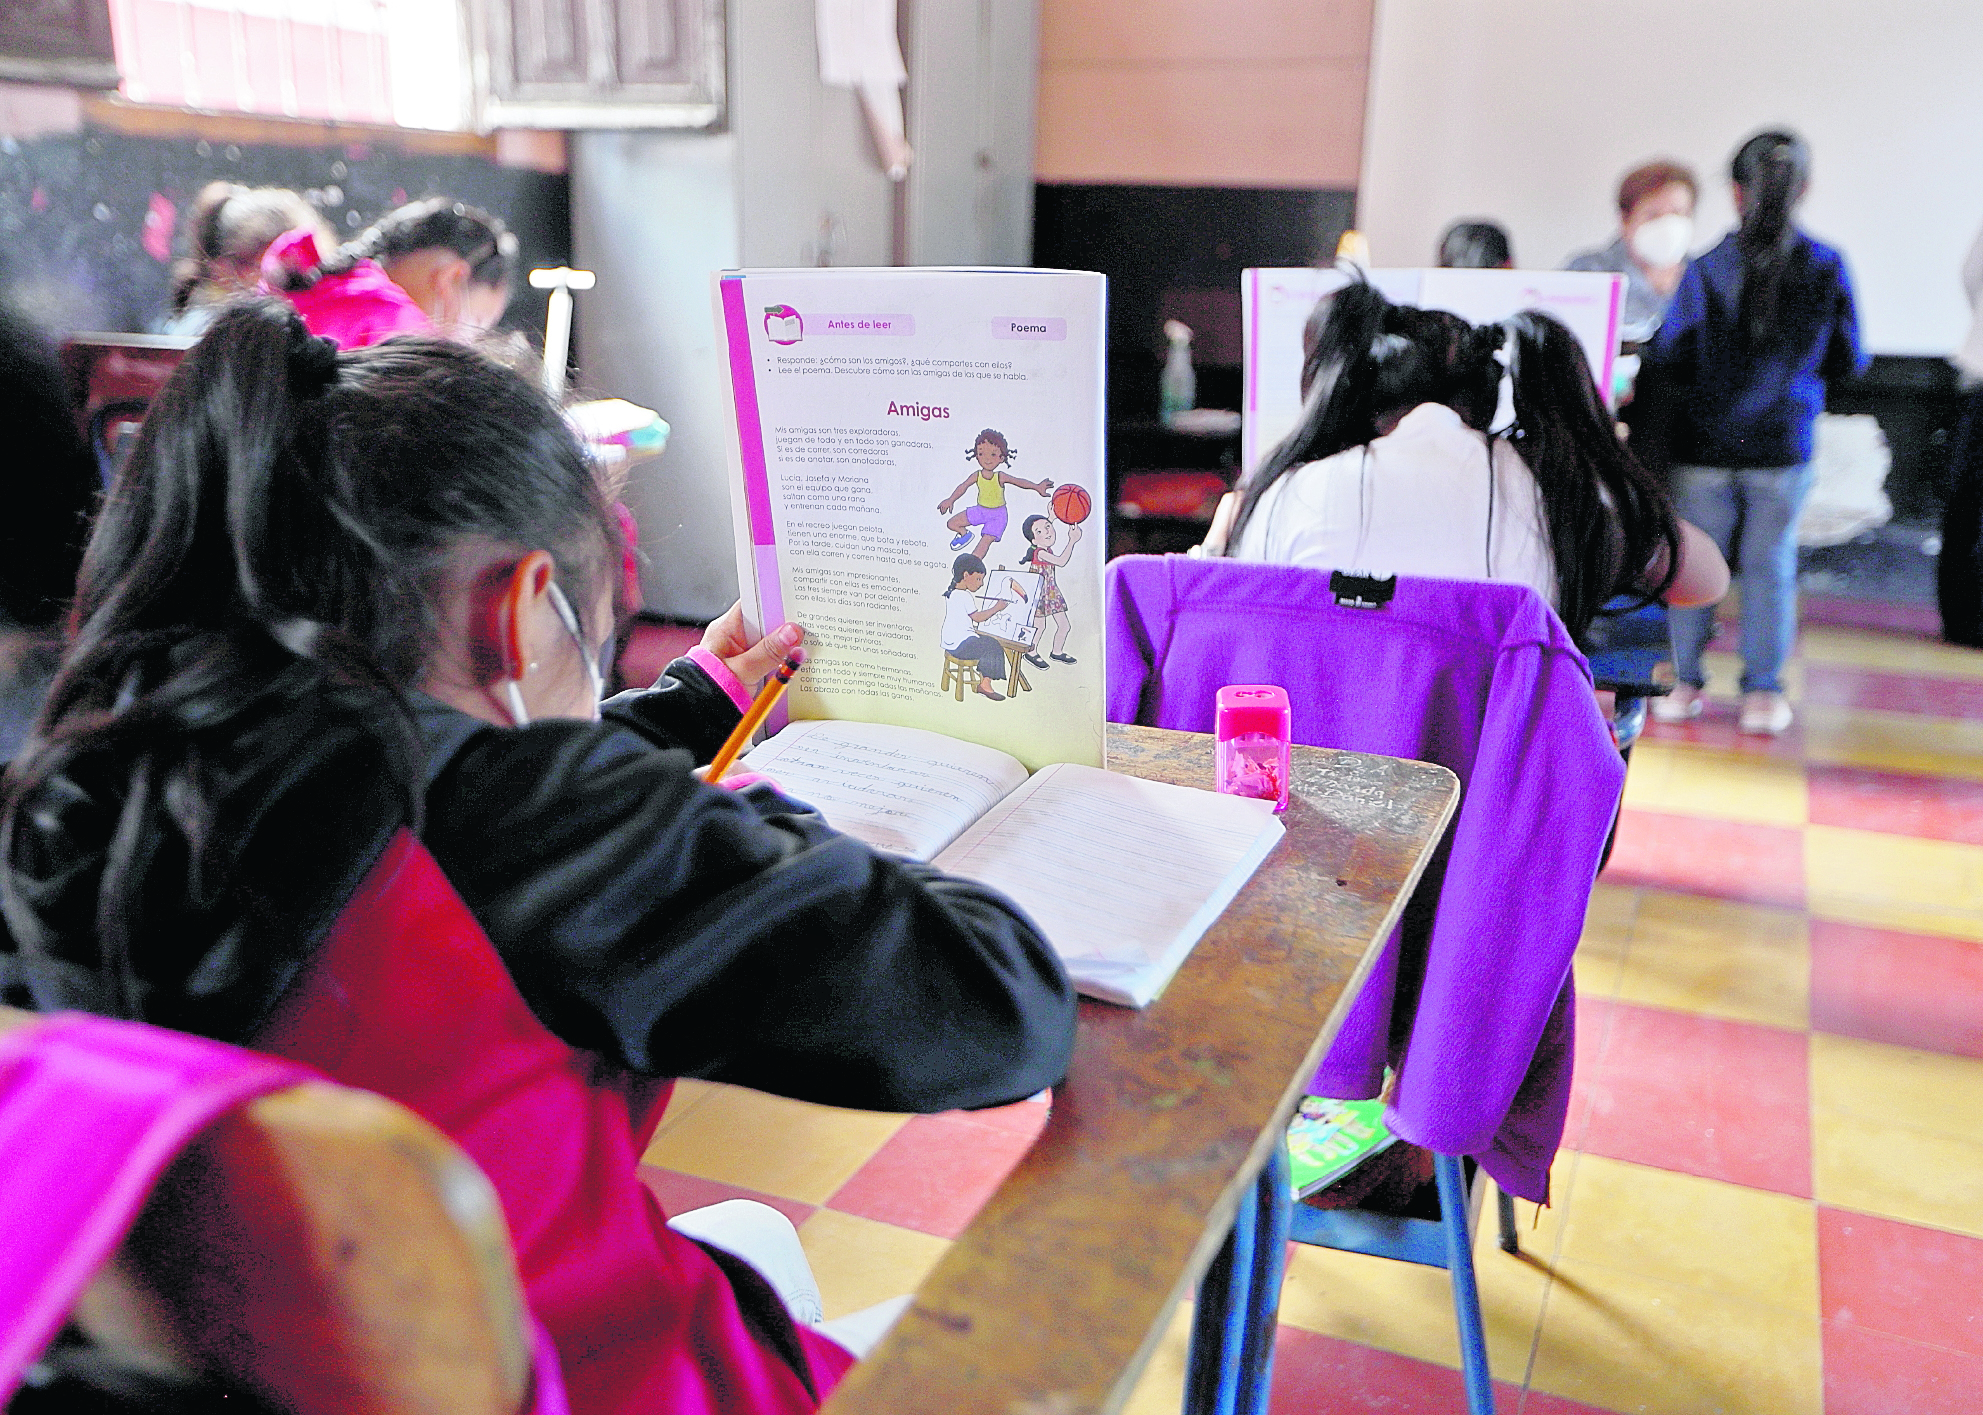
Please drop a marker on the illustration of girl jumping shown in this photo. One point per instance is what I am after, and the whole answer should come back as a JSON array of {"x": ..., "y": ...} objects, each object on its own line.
[
  {"x": 1039, "y": 534},
  {"x": 993, "y": 455}
]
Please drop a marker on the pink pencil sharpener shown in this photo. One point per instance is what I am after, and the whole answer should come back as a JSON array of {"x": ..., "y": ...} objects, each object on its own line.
[{"x": 1254, "y": 730}]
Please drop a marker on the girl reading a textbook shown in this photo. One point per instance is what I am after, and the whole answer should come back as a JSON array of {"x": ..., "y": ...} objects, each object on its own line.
[
  {"x": 1392, "y": 468},
  {"x": 336, "y": 641}
]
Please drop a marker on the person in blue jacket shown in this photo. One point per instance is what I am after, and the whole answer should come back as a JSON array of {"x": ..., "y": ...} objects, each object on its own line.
[{"x": 1759, "y": 326}]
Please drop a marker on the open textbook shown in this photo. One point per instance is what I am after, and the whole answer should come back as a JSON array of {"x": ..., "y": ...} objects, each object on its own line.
[
  {"x": 1122, "y": 875},
  {"x": 918, "y": 479}
]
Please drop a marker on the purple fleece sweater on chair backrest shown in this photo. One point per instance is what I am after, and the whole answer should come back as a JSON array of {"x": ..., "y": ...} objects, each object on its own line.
[{"x": 1471, "y": 1000}]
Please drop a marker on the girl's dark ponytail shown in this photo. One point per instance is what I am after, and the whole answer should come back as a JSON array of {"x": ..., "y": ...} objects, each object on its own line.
[
  {"x": 261, "y": 591},
  {"x": 1772, "y": 168},
  {"x": 1607, "y": 518},
  {"x": 1335, "y": 393}
]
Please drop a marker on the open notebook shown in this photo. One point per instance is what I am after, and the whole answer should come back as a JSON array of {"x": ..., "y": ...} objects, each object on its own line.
[{"x": 1123, "y": 875}]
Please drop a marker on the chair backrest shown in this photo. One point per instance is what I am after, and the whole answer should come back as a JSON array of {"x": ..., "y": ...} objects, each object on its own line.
[
  {"x": 318, "y": 1245},
  {"x": 1480, "y": 678}
]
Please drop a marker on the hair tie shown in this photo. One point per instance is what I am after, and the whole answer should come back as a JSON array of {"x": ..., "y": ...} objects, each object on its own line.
[{"x": 312, "y": 363}]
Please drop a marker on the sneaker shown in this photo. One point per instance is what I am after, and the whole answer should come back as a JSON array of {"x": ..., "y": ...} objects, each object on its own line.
[
  {"x": 1765, "y": 714},
  {"x": 1683, "y": 704},
  {"x": 962, "y": 539}
]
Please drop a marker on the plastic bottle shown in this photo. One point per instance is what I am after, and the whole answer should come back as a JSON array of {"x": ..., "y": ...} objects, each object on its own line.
[{"x": 1177, "y": 390}]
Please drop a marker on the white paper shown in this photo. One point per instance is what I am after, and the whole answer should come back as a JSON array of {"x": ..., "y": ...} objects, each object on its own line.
[
  {"x": 896, "y": 788},
  {"x": 1123, "y": 875}
]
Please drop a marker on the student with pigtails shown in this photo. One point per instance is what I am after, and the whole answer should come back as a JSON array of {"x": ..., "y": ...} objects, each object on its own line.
[{"x": 1393, "y": 469}]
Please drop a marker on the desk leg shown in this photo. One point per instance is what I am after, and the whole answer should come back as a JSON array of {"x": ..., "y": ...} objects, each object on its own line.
[
  {"x": 1239, "y": 1300},
  {"x": 1270, "y": 1266}
]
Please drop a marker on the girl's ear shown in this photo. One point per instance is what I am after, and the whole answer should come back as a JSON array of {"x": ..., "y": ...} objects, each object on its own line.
[{"x": 528, "y": 585}]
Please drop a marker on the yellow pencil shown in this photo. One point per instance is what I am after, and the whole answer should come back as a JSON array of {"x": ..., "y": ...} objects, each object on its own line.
[{"x": 767, "y": 699}]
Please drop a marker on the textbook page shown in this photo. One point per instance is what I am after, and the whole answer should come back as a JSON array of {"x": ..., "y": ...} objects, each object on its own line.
[
  {"x": 1122, "y": 875},
  {"x": 896, "y": 788},
  {"x": 1275, "y": 304},
  {"x": 917, "y": 468}
]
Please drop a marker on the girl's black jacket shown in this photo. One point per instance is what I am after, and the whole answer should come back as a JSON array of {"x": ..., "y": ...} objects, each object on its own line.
[{"x": 674, "y": 928}]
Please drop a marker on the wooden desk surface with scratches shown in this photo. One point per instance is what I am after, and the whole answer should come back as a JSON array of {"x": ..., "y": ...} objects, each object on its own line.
[{"x": 1055, "y": 1297}]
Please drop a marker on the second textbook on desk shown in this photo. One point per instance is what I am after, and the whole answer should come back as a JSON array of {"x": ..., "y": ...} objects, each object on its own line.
[{"x": 889, "y": 427}]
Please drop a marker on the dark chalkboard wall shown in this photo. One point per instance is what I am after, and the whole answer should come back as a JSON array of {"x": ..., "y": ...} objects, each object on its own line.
[{"x": 88, "y": 221}]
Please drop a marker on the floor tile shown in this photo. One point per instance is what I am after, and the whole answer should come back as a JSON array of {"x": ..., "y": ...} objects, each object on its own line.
[
  {"x": 1889, "y": 653},
  {"x": 1323, "y": 1375},
  {"x": 1632, "y": 1343},
  {"x": 772, "y": 1145},
  {"x": 1725, "y": 859},
  {"x": 1744, "y": 1244},
  {"x": 1911, "y": 990},
  {"x": 1920, "y": 622},
  {"x": 1408, "y": 1309},
  {"x": 1927, "y": 886},
  {"x": 1871, "y": 1373},
  {"x": 1160, "y": 1389},
  {"x": 1723, "y": 1100},
  {"x": 679, "y": 1193},
  {"x": 1837, "y": 685},
  {"x": 1723, "y": 665},
  {"x": 1893, "y": 741},
  {"x": 1922, "y": 1090},
  {"x": 1935, "y": 807},
  {"x": 1717, "y": 729},
  {"x": 1917, "y": 1283},
  {"x": 1607, "y": 933},
  {"x": 685, "y": 1097},
  {"x": 1689, "y": 780},
  {"x": 1739, "y": 961},
  {"x": 860, "y": 1262},
  {"x": 934, "y": 1174},
  {"x": 1897, "y": 1172}
]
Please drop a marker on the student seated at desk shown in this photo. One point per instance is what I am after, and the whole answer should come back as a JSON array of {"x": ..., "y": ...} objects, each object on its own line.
[
  {"x": 432, "y": 267},
  {"x": 336, "y": 597},
  {"x": 1392, "y": 470}
]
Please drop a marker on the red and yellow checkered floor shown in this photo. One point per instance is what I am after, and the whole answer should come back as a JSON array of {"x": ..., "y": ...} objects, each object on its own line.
[{"x": 1771, "y": 1194}]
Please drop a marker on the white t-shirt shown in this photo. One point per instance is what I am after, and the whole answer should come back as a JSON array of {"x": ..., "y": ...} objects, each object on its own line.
[
  {"x": 958, "y": 607},
  {"x": 1415, "y": 502}
]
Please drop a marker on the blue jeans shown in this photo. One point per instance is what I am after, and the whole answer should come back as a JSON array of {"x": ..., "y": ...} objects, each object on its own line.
[{"x": 1751, "y": 514}]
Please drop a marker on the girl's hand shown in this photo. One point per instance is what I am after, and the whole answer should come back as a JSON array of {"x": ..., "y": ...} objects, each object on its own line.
[
  {"x": 1073, "y": 535},
  {"x": 943, "y": 506},
  {"x": 729, "y": 638},
  {"x": 1043, "y": 486}
]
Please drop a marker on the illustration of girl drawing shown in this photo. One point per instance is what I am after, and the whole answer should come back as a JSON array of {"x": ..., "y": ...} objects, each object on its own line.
[
  {"x": 961, "y": 618},
  {"x": 1039, "y": 534},
  {"x": 993, "y": 455}
]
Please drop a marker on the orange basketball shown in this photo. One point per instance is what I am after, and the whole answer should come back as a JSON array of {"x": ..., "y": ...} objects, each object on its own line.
[{"x": 1071, "y": 504}]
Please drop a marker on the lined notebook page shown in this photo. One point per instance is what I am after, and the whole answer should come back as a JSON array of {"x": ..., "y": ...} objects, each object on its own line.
[
  {"x": 1123, "y": 875},
  {"x": 896, "y": 788}
]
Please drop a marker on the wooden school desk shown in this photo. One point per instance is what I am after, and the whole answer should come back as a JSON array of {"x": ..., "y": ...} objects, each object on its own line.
[{"x": 1054, "y": 1298}]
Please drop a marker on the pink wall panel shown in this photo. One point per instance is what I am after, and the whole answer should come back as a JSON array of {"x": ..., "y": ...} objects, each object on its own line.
[
  {"x": 310, "y": 52},
  {"x": 1196, "y": 93}
]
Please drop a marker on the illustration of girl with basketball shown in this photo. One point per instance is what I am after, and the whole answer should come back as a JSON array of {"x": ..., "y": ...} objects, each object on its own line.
[
  {"x": 1051, "y": 603},
  {"x": 993, "y": 456}
]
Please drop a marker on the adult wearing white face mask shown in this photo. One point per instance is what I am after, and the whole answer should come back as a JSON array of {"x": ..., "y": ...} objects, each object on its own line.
[{"x": 1655, "y": 233}]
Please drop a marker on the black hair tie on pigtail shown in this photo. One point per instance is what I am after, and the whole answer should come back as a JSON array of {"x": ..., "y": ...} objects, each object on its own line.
[{"x": 312, "y": 363}]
